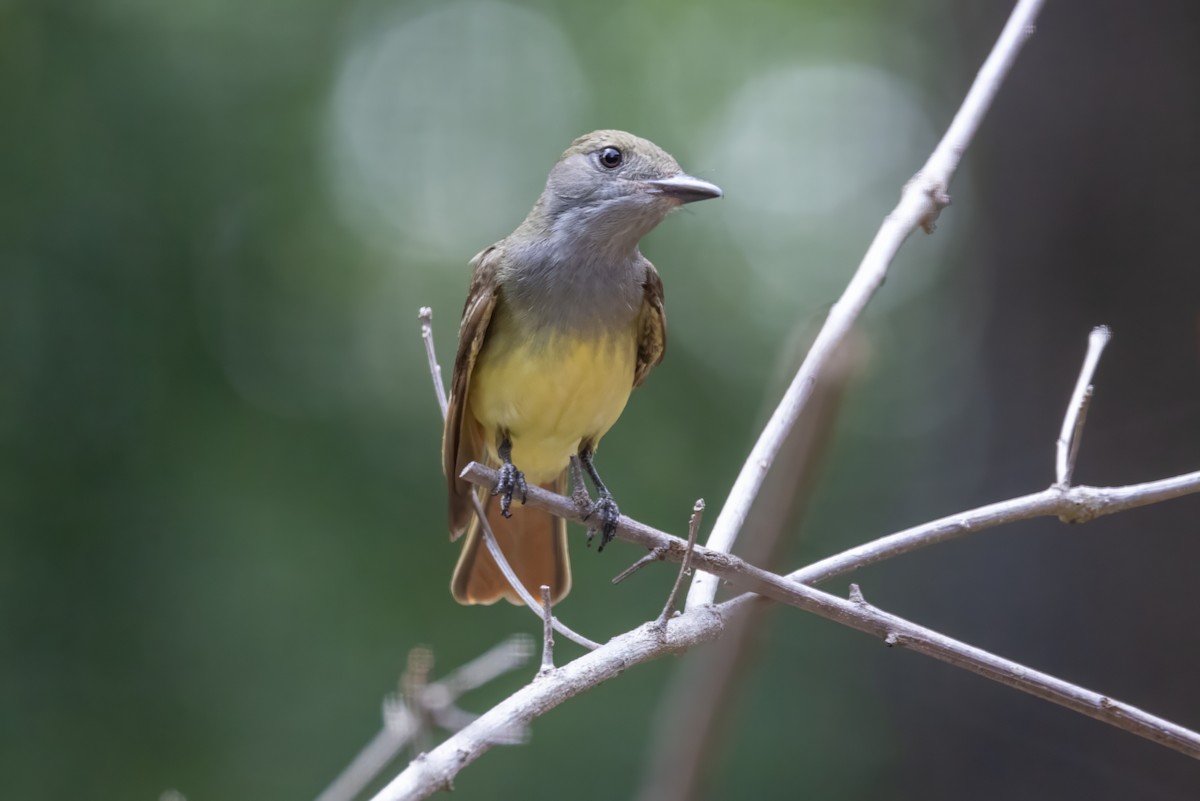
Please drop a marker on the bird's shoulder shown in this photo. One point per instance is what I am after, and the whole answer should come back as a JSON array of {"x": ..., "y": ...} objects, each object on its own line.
[{"x": 652, "y": 326}]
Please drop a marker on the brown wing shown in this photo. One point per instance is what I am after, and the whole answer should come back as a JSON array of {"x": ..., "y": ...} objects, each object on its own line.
[
  {"x": 462, "y": 440},
  {"x": 652, "y": 340}
]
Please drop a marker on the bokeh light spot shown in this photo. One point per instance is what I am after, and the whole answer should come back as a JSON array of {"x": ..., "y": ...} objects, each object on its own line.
[{"x": 431, "y": 118}]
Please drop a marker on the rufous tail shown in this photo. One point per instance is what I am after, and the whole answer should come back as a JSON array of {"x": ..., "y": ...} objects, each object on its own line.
[{"x": 533, "y": 541}]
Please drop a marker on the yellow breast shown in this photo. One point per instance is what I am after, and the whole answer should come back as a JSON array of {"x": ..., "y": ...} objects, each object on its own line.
[{"x": 550, "y": 392}]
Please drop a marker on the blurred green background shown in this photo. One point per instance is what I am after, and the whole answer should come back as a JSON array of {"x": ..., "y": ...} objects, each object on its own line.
[{"x": 221, "y": 514}]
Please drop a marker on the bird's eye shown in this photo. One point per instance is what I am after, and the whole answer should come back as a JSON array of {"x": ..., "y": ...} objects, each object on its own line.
[{"x": 610, "y": 158}]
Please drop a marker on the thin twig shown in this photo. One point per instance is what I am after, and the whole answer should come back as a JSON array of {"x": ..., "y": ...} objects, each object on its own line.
[
  {"x": 1072, "y": 428},
  {"x": 493, "y": 546},
  {"x": 655, "y": 555},
  {"x": 685, "y": 564},
  {"x": 547, "y": 632},
  {"x": 920, "y": 203},
  {"x": 1053, "y": 501},
  {"x": 436, "y": 769},
  {"x": 437, "y": 700},
  {"x": 425, "y": 315},
  {"x": 489, "y": 538}
]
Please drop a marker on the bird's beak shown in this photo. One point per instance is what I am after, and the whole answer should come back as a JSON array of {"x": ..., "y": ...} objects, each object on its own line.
[{"x": 685, "y": 188}]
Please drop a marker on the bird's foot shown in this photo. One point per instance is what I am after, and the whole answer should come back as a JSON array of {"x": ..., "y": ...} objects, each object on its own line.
[
  {"x": 511, "y": 481},
  {"x": 606, "y": 511}
]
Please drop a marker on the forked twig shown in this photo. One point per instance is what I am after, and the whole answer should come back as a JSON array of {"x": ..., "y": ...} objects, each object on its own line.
[{"x": 685, "y": 564}]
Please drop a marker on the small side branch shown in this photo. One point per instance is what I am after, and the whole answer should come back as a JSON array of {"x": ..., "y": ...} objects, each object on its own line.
[
  {"x": 685, "y": 564},
  {"x": 547, "y": 632},
  {"x": 425, "y": 315},
  {"x": 655, "y": 555},
  {"x": 1072, "y": 428}
]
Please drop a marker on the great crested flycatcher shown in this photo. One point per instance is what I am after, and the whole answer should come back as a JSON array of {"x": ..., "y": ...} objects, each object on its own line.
[{"x": 563, "y": 319}]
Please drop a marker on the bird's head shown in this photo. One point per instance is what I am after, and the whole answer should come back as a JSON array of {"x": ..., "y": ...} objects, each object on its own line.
[{"x": 612, "y": 184}]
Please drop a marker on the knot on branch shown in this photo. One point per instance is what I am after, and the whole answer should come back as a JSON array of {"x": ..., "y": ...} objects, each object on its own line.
[
  {"x": 678, "y": 634},
  {"x": 717, "y": 560},
  {"x": 936, "y": 191},
  {"x": 1081, "y": 504},
  {"x": 856, "y": 595}
]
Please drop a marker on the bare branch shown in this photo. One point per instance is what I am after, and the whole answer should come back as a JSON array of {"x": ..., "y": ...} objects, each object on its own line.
[
  {"x": 435, "y": 770},
  {"x": 684, "y": 564},
  {"x": 921, "y": 201},
  {"x": 489, "y": 538},
  {"x": 425, "y": 315},
  {"x": 437, "y": 701},
  {"x": 1072, "y": 428},
  {"x": 1077, "y": 504},
  {"x": 547, "y": 632}
]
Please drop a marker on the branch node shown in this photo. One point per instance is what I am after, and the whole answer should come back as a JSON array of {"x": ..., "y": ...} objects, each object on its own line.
[
  {"x": 891, "y": 639},
  {"x": 939, "y": 198},
  {"x": 1081, "y": 504},
  {"x": 856, "y": 595}
]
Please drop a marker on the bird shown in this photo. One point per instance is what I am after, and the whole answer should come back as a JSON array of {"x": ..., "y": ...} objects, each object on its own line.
[{"x": 563, "y": 319}]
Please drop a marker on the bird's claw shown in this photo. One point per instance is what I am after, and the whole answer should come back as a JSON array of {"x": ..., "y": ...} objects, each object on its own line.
[
  {"x": 605, "y": 508},
  {"x": 511, "y": 481}
]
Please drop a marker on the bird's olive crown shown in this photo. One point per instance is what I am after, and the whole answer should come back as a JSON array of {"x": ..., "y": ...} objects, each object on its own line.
[
  {"x": 610, "y": 188},
  {"x": 619, "y": 154}
]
